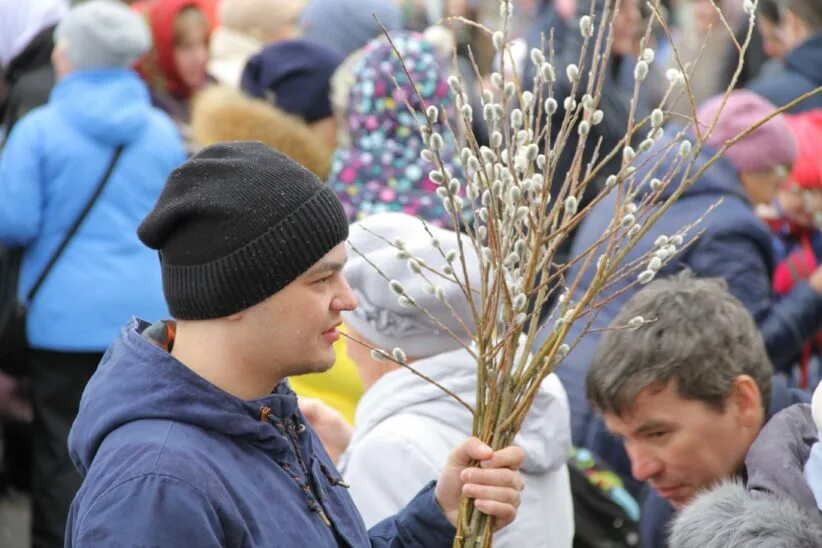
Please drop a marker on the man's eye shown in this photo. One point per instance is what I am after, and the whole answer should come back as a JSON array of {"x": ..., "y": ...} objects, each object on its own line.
[{"x": 657, "y": 435}]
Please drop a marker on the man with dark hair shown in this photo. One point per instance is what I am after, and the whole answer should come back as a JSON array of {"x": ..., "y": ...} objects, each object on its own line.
[
  {"x": 688, "y": 391},
  {"x": 800, "y": 28},
  {"x": 188, "y": 434}
]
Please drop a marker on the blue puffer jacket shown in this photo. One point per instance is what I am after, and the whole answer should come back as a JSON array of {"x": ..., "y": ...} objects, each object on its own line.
[
  {"x": 801, "y": 72},
  {"x": 735, "y": 245},
  {"x": 49, "y": 168},
  {"x": 171, "y": 460}
]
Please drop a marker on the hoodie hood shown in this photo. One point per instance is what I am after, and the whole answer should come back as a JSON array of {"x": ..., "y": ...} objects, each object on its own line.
[
  {"x": 545, "y": 436},
  {"x": 805, "y": 59},
  {"x": 112, "y": 106},
  {"x": 138, "y": 380}
]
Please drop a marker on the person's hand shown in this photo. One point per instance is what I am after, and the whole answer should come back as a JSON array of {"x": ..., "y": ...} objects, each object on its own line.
[
  {"x": 495, "y": 485},
  {"x": 329, "y": 424}
]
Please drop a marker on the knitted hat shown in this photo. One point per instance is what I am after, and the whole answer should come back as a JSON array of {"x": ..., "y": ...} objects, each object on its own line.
[
  {"x": 103, "y": 34},
  {"x": 765, "y": 148},
  {"x": 295, "y": 76},
  {"x": 235, "y": 224},
  {"x": 381, "y": 169},
  {"x": 807, "y": 170},
  {"x": 347, "y": 25},
  {"x": 380, "y": 317}
]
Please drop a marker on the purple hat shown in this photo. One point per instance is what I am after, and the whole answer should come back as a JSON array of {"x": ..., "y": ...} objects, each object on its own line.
[
  {"x": 295, "y": 75},
  {"x": 768, "y": 146}
]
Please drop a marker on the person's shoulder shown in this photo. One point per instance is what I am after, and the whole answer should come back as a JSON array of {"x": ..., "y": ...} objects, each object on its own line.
[{"x": 157, "y": 446}]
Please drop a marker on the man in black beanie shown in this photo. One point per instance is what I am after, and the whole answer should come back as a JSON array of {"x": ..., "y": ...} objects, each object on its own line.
[{"x": 187, "y": 434}]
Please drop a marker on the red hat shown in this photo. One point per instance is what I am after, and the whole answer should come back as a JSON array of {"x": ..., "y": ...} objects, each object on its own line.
[
  {"x": 807, "y": 128},
  {"x": 159, "y": 68}
]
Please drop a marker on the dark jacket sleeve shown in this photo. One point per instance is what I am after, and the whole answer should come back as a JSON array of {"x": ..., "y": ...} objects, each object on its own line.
[
  {"x": 786, "y": 324},
  {"x": 420, "y": 523}
]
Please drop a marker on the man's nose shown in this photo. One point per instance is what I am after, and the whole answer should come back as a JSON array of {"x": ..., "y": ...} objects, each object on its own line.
[{"x": 644, "y": 466}]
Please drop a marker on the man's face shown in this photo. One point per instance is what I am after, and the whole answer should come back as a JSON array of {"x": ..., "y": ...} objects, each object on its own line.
[
  {"x": 680, "y": 446},
  {"x": 295, "y": 329}
]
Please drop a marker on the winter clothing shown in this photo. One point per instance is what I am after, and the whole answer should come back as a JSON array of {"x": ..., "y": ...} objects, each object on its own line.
[
  {"x": 209, "y": 273},
  {"x": 57, "y": 382},
  {"x": 245, "y": 26},
  {"x": 382, "y": 169},
  {"x": 221, "y": 113},
  {"x": 51, "y": 164},
  {"x": 103, "y": 34},
  {"x": 229, "y": 51},
  {"x": 159, "y": 68},
  {"x": 405, "y": 428},
  {"x": 26, "y": 42},
  {"x": 735, "y": 245},
  {"x": 801, "y": 73},
  {"x": 807, "y": 129},
  {"x": 770, "y": 145},
  {"x": 295, "y": 75},
  {"x": 347, "y": 25},
  {"x": 170, "y": 459},
  {"x": 776, "y": 506},
  {"x": 732, "y": 516},
  {"x": 20, "y": 23},
  {"x": 380, "y": 318},
  {"x": 798, "y": 247},
  {"x": 657, "y": 513}
]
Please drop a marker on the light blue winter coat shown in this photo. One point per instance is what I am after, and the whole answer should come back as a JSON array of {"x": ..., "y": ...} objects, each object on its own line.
[{"x": 50, "y": 166}]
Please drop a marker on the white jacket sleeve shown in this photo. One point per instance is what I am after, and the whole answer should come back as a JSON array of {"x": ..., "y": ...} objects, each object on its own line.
[{"x": 384, "y": 474}]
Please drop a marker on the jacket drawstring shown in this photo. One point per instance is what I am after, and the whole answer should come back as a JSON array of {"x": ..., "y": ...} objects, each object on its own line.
[{"x": 291, "y": 431}]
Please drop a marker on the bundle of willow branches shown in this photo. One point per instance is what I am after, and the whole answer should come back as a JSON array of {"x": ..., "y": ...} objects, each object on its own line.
[{"x": 516, "y": 222}]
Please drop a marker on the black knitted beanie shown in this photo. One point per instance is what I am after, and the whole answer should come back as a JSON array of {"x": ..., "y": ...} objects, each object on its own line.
[{"x": 235, "y": 224}]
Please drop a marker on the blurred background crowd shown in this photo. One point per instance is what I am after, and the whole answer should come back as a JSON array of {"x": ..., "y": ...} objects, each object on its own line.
[{"x": 317, "y": 80}]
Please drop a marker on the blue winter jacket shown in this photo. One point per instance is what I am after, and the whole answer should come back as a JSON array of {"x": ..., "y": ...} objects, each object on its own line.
[
  {"x": 735, "y": 245},
  {"x": 171, "y": 460},
  {"x": 50, "y": 166},
  {"x": 800, "y": 73}
]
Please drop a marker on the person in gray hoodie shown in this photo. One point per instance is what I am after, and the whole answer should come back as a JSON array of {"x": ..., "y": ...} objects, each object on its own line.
[{"x": 405, "y": 425}]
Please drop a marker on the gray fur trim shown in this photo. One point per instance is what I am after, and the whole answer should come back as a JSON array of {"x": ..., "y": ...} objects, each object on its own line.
[{"x": 729, "y": 516}]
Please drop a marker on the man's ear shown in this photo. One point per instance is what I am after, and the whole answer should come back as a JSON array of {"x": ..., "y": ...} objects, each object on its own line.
[
  {"x": 237, "y": 316},
  {"x": 746, "y": 401}
]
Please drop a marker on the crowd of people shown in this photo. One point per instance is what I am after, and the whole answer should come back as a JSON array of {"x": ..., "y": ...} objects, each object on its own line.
[{"x": 178, "y": 181}]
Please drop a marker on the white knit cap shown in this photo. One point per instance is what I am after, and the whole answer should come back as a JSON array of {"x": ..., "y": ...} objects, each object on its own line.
[
  {"x": 380, "y": 318},
  {"x": 103, "y": 34}
]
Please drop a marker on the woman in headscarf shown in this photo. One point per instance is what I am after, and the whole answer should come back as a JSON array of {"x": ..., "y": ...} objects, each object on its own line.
[
  {"x": 175, "y": 68},
  {"x": 381, "y": 169}
]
